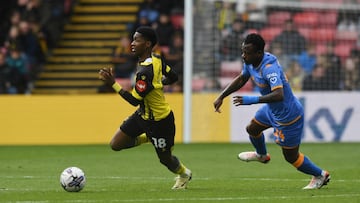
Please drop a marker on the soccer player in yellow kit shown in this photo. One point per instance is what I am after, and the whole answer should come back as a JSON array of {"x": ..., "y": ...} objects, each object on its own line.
[{"x": 153, "y": 120}]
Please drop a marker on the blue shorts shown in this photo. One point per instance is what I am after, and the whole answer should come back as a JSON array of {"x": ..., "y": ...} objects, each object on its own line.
[{"x": 287, "y": 134}]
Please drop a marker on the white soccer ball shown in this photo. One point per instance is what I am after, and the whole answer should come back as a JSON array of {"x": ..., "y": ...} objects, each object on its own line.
[{"x": 72, "y": 179}]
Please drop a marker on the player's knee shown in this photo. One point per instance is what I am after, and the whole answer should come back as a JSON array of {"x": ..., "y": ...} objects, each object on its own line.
[
  {"x": 114, "y": 146},
  {"x": 290, "y": 158},
  {"x": 250, "y": 131}
]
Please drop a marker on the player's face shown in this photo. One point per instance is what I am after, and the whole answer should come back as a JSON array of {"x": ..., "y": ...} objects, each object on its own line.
[
  {"x": 139, "y": 45},
  {"x": 249, "y": 55}
]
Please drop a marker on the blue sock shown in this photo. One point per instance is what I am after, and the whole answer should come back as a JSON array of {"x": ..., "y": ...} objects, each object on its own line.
[
  {"x": 259, "y": 144},
  {"x": 304, "y": 165}
]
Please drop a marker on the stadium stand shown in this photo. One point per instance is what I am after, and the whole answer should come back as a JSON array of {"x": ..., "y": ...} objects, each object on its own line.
[{"x": 86, "y": 44}]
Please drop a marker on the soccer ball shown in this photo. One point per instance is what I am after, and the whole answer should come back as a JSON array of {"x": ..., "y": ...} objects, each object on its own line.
[{"x": 72, "y": 179}]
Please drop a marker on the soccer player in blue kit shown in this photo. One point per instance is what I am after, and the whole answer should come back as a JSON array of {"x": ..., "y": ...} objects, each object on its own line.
[{"x": 282, "y": 110}]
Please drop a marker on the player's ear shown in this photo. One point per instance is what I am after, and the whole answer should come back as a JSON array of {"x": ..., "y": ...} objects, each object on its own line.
[{"x": 148, "y": 44}]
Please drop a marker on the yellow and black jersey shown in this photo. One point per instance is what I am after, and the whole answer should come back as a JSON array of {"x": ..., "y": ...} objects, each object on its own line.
[{"x": 148, "y": 89}]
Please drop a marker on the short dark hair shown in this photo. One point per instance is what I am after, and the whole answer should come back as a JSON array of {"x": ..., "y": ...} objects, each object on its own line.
[
  {"x": 148, "y": 33},
  {"x": 256, "y": 40}
]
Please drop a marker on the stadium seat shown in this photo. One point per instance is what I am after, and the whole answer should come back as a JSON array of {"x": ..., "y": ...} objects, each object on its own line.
[
  {"x": 306, "y": 32},
  {"x": 350, "y": 37},
  {"x": 278, "y": 18},
  {"x": 198, "y": 84},
  {"x": 320, "y": 48},
  {"x": 343, "y": 50},
  {"x": 322, "y": 35},
  {"x": 268, "y": 33},
  {"x": 306, "y": 19},
  {"x": 230, "y": 68},
  {"x": 328, "y": 19},
  {"x": 177, "y": 20}
]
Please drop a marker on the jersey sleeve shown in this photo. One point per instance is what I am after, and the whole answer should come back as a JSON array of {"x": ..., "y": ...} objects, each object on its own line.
[
  {"x": 143, "y": 84},
  {"x": 272, "y": 74},
  {"x": 170, "y": 75}
]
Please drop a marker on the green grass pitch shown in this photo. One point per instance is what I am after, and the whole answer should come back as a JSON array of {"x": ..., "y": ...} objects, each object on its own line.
[{"x": 31, "y": 174}]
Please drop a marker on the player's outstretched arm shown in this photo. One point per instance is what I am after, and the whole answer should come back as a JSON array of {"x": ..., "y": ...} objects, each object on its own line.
[
  {"x": 275, "y": 96},
  {"x": 236, "y": 84},
  {"x": 106, "y": 75}
]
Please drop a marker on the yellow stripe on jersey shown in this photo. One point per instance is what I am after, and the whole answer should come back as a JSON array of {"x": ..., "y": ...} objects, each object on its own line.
[
  {"x": 289, "y": 123},
  {"x": 154, "y": 105}
]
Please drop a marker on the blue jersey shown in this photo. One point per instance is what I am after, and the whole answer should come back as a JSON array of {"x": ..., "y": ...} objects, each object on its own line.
[{"x": 268, "y": 77}]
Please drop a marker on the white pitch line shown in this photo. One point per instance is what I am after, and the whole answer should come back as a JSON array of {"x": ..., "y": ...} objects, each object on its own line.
[
  {"x": 165, "y": 178},
  {"x": 217, "y": 199}
]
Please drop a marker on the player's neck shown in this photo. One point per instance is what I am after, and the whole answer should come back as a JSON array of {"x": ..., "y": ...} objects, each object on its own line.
[
  {"x": 144, "y": 57},
  {"x": 258, "y": 63}
]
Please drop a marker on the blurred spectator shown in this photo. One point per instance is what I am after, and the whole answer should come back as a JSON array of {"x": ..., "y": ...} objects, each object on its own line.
[
  {"x": 174, "y": 58},
  {"x": 307, "y": 58},
  {"x": 227, "y": 16},
  {"x": 6, "y": 9},
  {"x": 174, "y": 54},
  {"x": 231, "y": 43},
  {"x": 316, "y": 80},
  {"x": 291, "y": 41},
  {"x": 276, "y": 49},
  {"x": 333, "y": 74},
  {"x": 253, "y": 13},
  {"x": 148, "y": 9},
  {"x": 140, "y": 21},
  {"x": 347, "y": 22},
  {"x": 123, "y": 59},
  {"x": 31, "y": 47},
  {"x": 12, "y": 39},
  {"x": 18, "y": 74},
  {"x": 295, "y": 75},
  {"x": 164, "y": 30},
  {"x": 352, "y": 71},
  {"x": 31, "y": 10},
  {"x": 4, "y": 75}
]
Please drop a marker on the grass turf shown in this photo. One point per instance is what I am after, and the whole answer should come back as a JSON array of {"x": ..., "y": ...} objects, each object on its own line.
[{"x": 31, "y": 174}]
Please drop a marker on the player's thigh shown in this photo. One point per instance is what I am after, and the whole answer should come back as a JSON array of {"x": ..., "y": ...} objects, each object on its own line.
[
  {"x": 121, "y": 140},
  {"x": 128, "y": 131},
  {"x": 260, "y": 122},
  {"x": 162, "y": 135}
]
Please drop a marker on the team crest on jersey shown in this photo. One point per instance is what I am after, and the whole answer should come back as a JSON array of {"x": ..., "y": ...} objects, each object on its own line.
[
  {"x": 273, "y": 80},
  {"x": 140, "y": 85},
  {"x": 272, "y": 77}
]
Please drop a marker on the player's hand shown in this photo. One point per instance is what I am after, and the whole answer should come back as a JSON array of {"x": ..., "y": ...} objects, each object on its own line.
[
  {"x": 245, "y": 100},
  {"x": 107, "y": 75},
  {"x": 217, "y": 104},
  {"x": 238, "y": 100}
]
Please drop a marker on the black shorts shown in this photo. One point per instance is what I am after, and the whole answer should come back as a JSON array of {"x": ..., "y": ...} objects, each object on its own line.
[{"x": 161, "y": 133}]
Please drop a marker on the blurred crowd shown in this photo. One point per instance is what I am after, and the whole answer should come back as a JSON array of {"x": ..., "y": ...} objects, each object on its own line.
[
  {"x": 306, "y": 67},
  {"x": 166, "y": 17},
  {"x": 29, "y": 29}
]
